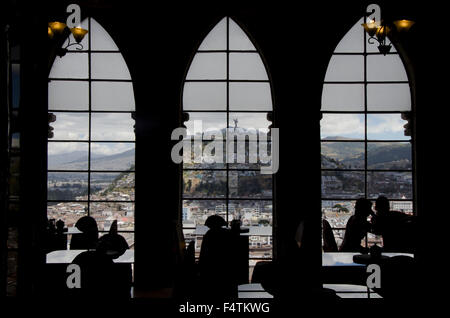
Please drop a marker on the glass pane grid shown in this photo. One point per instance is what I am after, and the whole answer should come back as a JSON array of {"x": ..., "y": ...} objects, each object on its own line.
[
  {"x": 91, "y": 157},
  {"x": 228, "y": 190},
  {"x": 371, "y": 156}
]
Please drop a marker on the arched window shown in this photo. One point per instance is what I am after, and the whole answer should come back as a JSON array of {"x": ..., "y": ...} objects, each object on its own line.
[
  {"x": 91, "y": 154},
  {"x": 227, "y": 93},
  {"x": 366, "y": 143}
]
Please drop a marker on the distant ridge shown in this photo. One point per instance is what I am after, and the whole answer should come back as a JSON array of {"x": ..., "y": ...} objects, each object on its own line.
[
  {"x": 380, "y": 155},
  {"x": 78, "y": 160}
]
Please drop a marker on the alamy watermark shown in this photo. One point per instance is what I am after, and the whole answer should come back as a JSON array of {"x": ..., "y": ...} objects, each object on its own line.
[
  {"x": 263, "y": 148},
  {"x": 374, "y": 279}
]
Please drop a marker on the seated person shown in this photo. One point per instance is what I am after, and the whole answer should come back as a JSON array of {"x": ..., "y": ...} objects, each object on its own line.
[
  {"x": 293, "y": 279},
  {"x": 116, "y": 244},
  {"x": 396, "y": 228},
  {"x": 100, "y": 276},
  {"x": 357, "y": 227},
  {"x": 329, "y": 242},
  {"x": 88, "y": 237},
  {"x": 217, "y": 260}
]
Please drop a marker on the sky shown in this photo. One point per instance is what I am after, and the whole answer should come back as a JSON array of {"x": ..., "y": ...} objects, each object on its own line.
[
  {"x": 379, "y": 126},
  {"x": 212, "y": 96},
  {"x": 119, "y": 127},
  {"x": 105, "y": 127}
]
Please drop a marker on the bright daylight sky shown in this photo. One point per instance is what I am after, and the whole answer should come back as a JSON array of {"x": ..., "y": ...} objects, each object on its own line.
[{"x": 253, "y": 96}]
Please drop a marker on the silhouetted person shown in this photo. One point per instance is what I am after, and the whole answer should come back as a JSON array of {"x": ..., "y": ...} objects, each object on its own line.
[
  {"x": 293, "y": 280},
  {"x": 396, "y": 228},
  {"x": 188, "y": 273},
  {"x": 100, "y": 276},
  {"x": 218, "y": 272},
  {"x": 60, "y": 237},
  {"x": 357, "y": 227},
  {"x": 116, "y": 244},
  {"x": 88, "y": 237},
  {"x": 55, "y": 238},
  {"x": 298, "y": 274},
  {"x": 329, "y": 242}
]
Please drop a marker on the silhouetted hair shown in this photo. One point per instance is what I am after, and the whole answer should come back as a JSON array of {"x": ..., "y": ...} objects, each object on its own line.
[
  {"x": 87, "y": 224},
  {"x": 112, "y": 244},
  {"x": 88, "y": 237},
  {"x": 382, "y": 204},
  {"x": 215, "y": 221},
  {"x": 363, "y": 207}
]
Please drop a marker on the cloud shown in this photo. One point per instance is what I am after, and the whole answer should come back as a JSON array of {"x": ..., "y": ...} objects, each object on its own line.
[
  {"x": 379, "y": 126},
  {"x": 105, "y": 126},
  {"x": 56, "y": 148},
  {"x": 112, "y": 126},
  {"x": 385, "y": 124},
  {"x": 344, "y": 125},
  {"x": 108, "y": 149},
  {"x": 71, "y": 126}
]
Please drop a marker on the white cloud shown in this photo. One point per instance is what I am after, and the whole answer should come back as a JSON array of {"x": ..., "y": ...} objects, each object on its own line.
[
  {"x": 71, "y": 126},
  {"x": 56, "y": 148},
  {"x": 344, "y": 125},
  {"x": 75, "y": 126},
  {"x": 108, "y": 149},
  {"x": 112, "y": 126},
  {"x": 385, "y": 124}
]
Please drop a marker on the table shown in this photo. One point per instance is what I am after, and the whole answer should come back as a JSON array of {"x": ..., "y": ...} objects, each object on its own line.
[
  {"x": 339, "y": 259},
  {"x": 252, "y": 291},
  {"x": 252, "y": 230},
  {"x": 352, "y": 291},
  {"x": 346, "y": 258},
  {"x": 72, "y": 230},
  {"x": 67, "y": 256},
  {"x": 339, "y": 268}
]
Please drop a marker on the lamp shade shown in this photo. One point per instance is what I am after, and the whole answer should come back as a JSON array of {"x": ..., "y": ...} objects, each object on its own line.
[
  {"x": 384, "y": 48},
  {"x": 50, "y": 33},
  {"x": 57, "y": 27},
  {"x": 78, "y": 34},
  {"x": 382, "y": 32},
  {"x": 403, "y": 25},
  {"x": 371, "y": 27}
]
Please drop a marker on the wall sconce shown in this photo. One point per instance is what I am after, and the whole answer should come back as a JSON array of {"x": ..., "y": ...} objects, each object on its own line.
[
  {"x": 58, "y": 30},
  {"x": 379, "y": 30}
]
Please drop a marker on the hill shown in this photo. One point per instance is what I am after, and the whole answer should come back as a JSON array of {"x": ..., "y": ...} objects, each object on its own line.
[
  {"x": 76, "y": 160},
  {"x": 380, "y": 155}
]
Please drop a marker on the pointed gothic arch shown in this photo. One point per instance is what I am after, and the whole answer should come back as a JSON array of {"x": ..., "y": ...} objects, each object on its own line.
[
  {"x": 227, "y": 87},
  {"x": 366, "y": 140},
  {"x": 91, "y": 151}
]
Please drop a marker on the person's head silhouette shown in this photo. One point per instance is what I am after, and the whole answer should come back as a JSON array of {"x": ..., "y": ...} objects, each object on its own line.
[
  {"x": 112, "y": 244},
  {"x": 382, "y": 205},
  {"x": 363, "y": 208},
  {"x": 88, "y": 237},
  {"x": 87, "y": 225},
  {"x": 215, "y": 222}
]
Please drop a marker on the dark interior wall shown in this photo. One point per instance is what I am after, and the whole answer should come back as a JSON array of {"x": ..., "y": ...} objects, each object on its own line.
[
  {"x": 33, "y": 139},
  {"x": 158, "y": 43}
]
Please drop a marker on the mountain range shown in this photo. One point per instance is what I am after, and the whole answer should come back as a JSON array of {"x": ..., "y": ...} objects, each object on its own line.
[
  {"x": 380, "y": 155},
  {"x": 77, "y": 160}
]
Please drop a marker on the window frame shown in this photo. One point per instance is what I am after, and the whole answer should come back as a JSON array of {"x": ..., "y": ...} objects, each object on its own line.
[
  {"x": 227, "y": 198},
  {"x": 89, "y": 201},
  {"x": 366, "y": 112}
]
